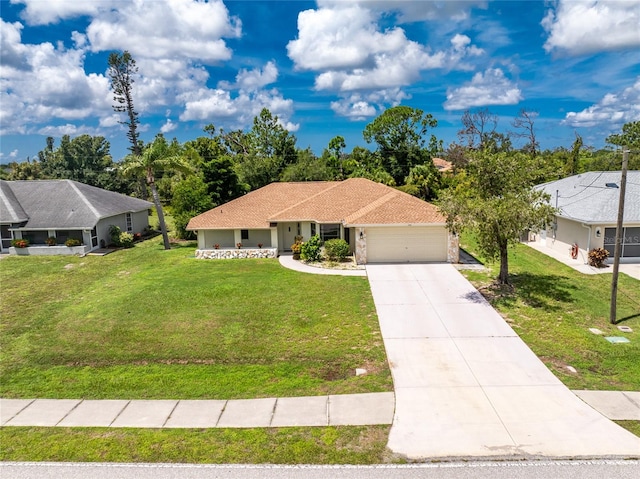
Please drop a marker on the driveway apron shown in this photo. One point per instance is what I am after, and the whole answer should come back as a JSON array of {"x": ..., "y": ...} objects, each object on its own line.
[{"x": 467, "y": 385}]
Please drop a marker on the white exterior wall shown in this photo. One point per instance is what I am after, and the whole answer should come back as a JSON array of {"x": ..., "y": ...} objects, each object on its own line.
[
  {"x": 257, "y": 236},
  {"x": 569, "y": 232},
  {"x": 208, "y": 238}
]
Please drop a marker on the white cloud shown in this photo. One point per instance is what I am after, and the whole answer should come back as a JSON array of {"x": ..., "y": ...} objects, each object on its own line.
[
  {"x": 488, "y": 88},
  {"x": 589, "y": 26},
  {"x": 13, "y": 154},
  {"x": 255, "y": 79},
  {"x": 341, "y": 38},
  {"x": 414, "y": 11},
  {"x": 358, "y": 106},
  {"x": 39, "y": 12},
  {"x": 43, "y": 81},
  {"x": 67, "y": 129},
  {"x": 168, "y": 126},
  {"x": 167, "y": 29},
  {"x": 239, "y": 108},
  {"x": 613, "y": 109}
]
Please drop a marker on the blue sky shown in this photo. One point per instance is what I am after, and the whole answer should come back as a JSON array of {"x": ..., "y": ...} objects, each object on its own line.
[{"x": 326, "y": 68}]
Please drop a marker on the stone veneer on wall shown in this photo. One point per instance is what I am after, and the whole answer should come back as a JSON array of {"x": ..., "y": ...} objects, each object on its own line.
[{"x": 243, "y": 253}]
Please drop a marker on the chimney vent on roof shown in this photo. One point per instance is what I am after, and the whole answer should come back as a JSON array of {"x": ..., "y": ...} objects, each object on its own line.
[{"x": 611, "y": 185}]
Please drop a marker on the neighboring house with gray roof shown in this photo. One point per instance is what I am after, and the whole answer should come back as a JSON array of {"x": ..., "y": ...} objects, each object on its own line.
[
  {"x": 64, "y": 209},
  {"x": 588, "y": 213}
]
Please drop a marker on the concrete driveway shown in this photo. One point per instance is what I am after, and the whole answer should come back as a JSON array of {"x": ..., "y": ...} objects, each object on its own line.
[{"x": 467, "y": 385}]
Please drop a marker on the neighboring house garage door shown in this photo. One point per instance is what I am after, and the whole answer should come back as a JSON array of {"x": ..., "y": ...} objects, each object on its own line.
[{"x": 406, "y": 244}]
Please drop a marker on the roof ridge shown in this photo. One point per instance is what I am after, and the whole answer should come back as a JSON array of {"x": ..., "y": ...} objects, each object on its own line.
[
  {"x": 6, "y": 201},
  {"x": 328, "y": 188},
  {"x": 84, "y": 198},
  {"x": 370, "y": 207}
]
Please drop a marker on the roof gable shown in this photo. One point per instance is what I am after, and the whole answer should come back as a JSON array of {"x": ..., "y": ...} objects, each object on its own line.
[
  {"x": 67, "y": 204},
  {"x": 356, "y": 201},
  {"x": 591, "y": 197}
]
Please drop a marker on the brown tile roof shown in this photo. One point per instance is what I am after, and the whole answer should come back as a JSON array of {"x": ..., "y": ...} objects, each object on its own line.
[
  {"x": 442, "y": 165},
  {"x": 356, "y": 201}
]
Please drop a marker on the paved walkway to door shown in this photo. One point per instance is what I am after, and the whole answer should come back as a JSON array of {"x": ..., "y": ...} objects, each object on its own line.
[{"x": 467, "y": 385}]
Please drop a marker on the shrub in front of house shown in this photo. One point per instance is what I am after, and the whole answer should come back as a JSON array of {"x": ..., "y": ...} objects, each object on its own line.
[
  {"x": 114, "y": 235},
  {"x": 597, "y": 257},
  {"x": 20, "y": 243},
  {"x": 336, "y": 249},
  {"x": 126, "y": 240},
  {"x": 51, "y": 241},
  {"x": 71, "y": 242},
  {"x": 310, "y": 251}
]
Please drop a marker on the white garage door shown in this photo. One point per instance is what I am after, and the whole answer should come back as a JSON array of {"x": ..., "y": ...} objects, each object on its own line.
[{"x": 406, "y": 244}]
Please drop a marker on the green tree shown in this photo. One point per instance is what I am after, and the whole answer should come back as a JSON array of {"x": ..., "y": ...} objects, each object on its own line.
[
  {"x": 426, "y": 179},
  {"x": 262, "y": 153},
  {"x": 190, "y": 198},
  {"x": 366, "y": 164},
  {"x": 155, "y": 158},
  {"x": 572, "y": 166},
  {"x": 496, "y": 200},
  {"x": 334, "y": 156},
  {"x": 400, "y": 133},
  {"x": 25, "y": 170},
  {"x": 122, "y": 69},
  {"x": 308, "y": 168},
  {"x": 629, "y": 138}
]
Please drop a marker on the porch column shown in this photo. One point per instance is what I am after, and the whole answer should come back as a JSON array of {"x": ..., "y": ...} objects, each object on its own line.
[
  {"x": 361, "y": 245},
  {"x": 274, "y": 238}
]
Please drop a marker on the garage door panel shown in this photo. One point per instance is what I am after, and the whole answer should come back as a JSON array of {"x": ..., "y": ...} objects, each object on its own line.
[{"x": 407, "y": 244}]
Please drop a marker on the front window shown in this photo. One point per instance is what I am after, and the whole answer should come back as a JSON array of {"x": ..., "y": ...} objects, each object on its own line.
[
  {"x": 329, "y": 231},
  {"x": 129, "y": 223},
  {"x": 244, "y": 234},
  {"x": 313, "y": 229}
]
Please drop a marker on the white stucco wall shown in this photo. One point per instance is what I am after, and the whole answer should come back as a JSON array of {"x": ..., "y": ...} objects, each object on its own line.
[{"x": 567, "y": 233}]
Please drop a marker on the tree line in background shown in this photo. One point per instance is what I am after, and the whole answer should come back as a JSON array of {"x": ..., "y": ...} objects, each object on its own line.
[{"x": 489, "y": 172}]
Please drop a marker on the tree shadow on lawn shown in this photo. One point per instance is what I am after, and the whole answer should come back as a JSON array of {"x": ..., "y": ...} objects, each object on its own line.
[{"x": 547, "y": 292}]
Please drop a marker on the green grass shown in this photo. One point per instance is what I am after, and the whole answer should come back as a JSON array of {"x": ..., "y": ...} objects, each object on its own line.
[
  {"x": 149, "y": 323},
  {"x": 552, "y": 307},
  {"x": 327, "y": 445}
]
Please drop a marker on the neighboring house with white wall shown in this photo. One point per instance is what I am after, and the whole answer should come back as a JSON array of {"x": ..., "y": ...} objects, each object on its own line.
[
  {"x": 64, "y": 209},
  {"x": 381, "y": 224},
  {"x": 588, "y": 213}
]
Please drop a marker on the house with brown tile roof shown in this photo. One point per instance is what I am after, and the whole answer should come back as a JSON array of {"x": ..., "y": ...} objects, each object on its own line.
[
  {"x": 443, "y": 166},
  {"x": 380, "y": 223}
]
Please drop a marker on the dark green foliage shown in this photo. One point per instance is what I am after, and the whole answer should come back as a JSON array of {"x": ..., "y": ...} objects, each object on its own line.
[
  {"x": 190, "y": 198},
  {"x": 114, "y": 235},
  {"x": 336, "y": 249},
  {"x": 496, "y": 201},
  {"x": 426, "y": 179},
  {"x": 400, "y": 133},
  {"x": 308, "y": 168},
  {"x": 310, "y": 250}
]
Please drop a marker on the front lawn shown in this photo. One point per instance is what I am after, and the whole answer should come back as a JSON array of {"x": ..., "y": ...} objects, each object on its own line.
[
  {"x": 552, "y": 307},
  {"x": 155, "y": 324}
]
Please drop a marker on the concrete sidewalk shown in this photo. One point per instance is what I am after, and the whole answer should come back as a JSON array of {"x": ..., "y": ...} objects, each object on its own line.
[
  {"x": 338, "y": 410},
  {"x": 628, "y": 265},
  {"x": 287, "y": 261},
  {"x": 333, "y": 410},
  {"x": 467, "y": 385}
]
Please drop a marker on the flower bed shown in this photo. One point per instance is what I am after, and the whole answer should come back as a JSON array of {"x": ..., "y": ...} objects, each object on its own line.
[{"x": 243, "y": 253}]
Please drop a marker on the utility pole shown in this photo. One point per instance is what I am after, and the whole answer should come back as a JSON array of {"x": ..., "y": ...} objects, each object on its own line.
[{"x": 618, "y": 245}]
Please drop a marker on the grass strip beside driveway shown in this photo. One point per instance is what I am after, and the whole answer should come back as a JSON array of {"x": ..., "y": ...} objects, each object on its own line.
[
  {"x": 552, "y": 306},
  {"x": 155, "y": 324}
]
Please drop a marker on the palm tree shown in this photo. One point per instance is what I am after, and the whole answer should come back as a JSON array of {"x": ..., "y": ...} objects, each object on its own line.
[{"x": 157, "y": 156}]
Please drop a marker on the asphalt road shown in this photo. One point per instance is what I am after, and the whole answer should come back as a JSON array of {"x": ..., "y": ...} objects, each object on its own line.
[{"x": 595, "y": 469}]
